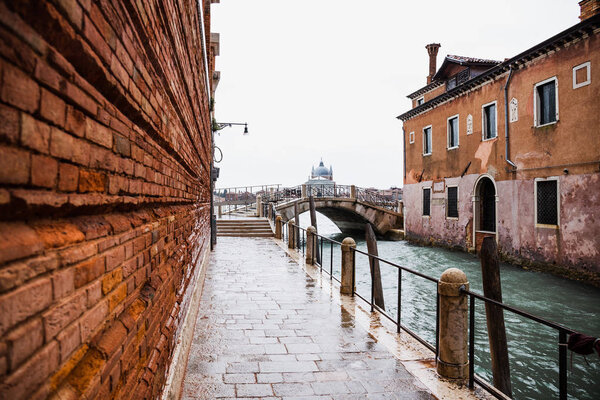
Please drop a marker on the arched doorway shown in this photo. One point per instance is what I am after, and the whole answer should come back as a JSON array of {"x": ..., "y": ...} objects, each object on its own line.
[{"x": 484, "y": 209}]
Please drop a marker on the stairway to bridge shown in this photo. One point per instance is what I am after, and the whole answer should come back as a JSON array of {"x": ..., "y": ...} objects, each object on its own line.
[{"x": 255, "y": 227}]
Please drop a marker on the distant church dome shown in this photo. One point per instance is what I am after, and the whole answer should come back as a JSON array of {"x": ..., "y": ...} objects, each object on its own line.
[
  {"x": 321, "y": 170},
  {"x": 321, "y": 173}
]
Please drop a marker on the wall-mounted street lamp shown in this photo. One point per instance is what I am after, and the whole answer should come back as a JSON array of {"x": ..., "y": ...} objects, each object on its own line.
[{"x": 217, "y": 126}]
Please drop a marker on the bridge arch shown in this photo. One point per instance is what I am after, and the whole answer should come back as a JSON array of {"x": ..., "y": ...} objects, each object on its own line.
[{"x": 349, "y": 215}]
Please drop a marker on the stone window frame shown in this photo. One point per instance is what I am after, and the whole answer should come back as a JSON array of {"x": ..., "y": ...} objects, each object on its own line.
[
  {"x": 430, "y": 127},
  {"x": 536, "y": 110},
  {"x": 423, "y": 189},
  {"x": 483, "y": 124},
  {"x": 411, "y": 137},
  {"x": 535, "y": 211},
  {"x": 588, "y": 66},
  {"x": 457, "y": 117},
  {"x": 421, "y": 100},
  {"x": 457, "y": 201}
]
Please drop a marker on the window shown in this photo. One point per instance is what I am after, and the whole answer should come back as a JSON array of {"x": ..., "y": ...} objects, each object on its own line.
[
  {"x": 453, "y": 132},
  {"x": 547, "y": 203},
  {"x": 489, "y": 126},
  {"x": 426, "y": 202},
  {"x": 545, "y": 102},
  {"x": 427, "y": 140},
  {"x": 582, "y": 75},
  {"x": 411, "y": 137},
  {"x": 420, "y": 100},
  {"x": 452, "y": 202}
]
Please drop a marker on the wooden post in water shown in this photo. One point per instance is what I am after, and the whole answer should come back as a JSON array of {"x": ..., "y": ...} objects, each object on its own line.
[
  {"x": 313, "y": 222},
  {"x": 374, "y": 264},
  {"x": 297, "y": 223},
  {"x": 490, "y": 273}
]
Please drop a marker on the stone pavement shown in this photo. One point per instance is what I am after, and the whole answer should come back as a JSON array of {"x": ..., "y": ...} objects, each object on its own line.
[{"x": 266, "y": 330}]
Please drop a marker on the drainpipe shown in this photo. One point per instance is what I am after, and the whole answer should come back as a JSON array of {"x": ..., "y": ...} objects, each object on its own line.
[
  {"x": 506, "y": 156},
  {"x": 404, "y": 152}
]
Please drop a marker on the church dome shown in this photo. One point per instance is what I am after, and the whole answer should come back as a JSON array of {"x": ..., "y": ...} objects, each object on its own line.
[{"x": 321, "y": 170}]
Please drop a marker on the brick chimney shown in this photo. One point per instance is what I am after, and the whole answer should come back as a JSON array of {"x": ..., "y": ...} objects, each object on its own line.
[
  {"x": 432, "y": 50},
  {"x": 589, "y": 8}
]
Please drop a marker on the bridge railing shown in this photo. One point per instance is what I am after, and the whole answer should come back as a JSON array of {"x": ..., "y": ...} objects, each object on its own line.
[
  {"x": 379, "y": 197},
  {"x": 242, "y": 194}
]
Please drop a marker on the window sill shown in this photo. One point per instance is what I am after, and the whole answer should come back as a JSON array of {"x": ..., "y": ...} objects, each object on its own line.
[
  {"x": 488, "y": 139},
  {"x": 426, "y": 216},
  {"x": 490, "y": 232},
  {"x": 452, "y": 218},
  {"x": 426, "y": 155},
  {"x": 545, "y": 125},
  {"x": 452, "y": 148},
  {"x": 547, "y": 226}
]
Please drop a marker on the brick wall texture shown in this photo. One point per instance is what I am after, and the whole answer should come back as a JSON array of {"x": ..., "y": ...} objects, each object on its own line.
[{"x": 104, "y": 192}]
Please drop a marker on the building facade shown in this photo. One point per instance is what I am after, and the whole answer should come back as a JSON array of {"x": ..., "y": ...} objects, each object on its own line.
[{"x": 511, "y": 150}]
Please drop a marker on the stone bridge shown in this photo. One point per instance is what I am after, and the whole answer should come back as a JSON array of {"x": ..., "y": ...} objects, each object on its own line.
[{"x": 349, "y": 214}]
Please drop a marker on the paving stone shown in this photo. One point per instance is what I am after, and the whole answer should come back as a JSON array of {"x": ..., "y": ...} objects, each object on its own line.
[{"x": 265, "y": 330}]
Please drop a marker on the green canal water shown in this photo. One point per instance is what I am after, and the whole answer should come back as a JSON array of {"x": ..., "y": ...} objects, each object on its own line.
[{"x": 533, "y": 348}]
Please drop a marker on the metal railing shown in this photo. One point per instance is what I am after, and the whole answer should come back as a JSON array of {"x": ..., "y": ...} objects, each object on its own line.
[
  {"x": 242, "y": 194},
  {"x": 473, "y": 378}
]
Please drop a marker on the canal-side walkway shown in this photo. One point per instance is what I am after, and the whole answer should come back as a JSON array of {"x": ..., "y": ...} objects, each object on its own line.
[{"x": 267, "y": 329}]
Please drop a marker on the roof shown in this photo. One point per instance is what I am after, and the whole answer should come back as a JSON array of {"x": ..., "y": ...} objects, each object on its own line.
[
  {"x": 462, "y": 60},
  {"x": 587, "y": 26}
]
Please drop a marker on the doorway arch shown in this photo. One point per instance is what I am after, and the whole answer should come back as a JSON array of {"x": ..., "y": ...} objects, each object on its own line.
[{"x": 485, "y": 211}]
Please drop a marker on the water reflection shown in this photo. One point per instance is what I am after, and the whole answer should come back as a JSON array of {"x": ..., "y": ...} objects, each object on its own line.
[{"x": 533, "y": 348}]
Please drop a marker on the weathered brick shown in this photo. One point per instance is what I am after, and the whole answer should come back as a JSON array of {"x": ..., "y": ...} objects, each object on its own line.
[
  {"x": 117, "y": 296},
  {"x": 24, "y": 341},
  {"x": 119, "y": 222},
  {"x": 91, "y": 181},
  {"x": 94, "y": 294},
  {"x": 80, "y": 98},
  {"x": 10, "y": 125},
  {"x": 58, "y": 233},
  {"x": 21, "y": 383},
  {"x": 88, "y": 270},
  {"x": 112, "y": 338},
  {"x": 75, "y": 122},
  {"x": 44, "y": 171},
  {"x": 63, "y": 283},
  {"x": 18, "y": 89},
  {"x": 57, "y": 318},
  {"x": 111, "y": 280},
  {"x": 18, "y": 240},
  {"x": 24, "y": 302},
  {"x": 98, "y": 133},
  {"x": 92, "y": 320},
  {"x": 93, "y": 226},
  {"x": 73, "y": 11},
  {"x": 75, "y": 254},
  {"x": 47, "y": 75},
  {"x": 69, "y": 339},
  {"x": 52, "y": 108},
  {"x": 123, "y": 146},
  {"x": 14, "y": 166},
  {"x": 35, "y": 134},
  {"x": 68, "y": 177},
  {"x": 115, "y": 257}
]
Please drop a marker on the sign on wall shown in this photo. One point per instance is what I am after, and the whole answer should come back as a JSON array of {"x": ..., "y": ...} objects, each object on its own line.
[
  {"x": 469, "y": 124},
  {"x": 514, "y": 110}
]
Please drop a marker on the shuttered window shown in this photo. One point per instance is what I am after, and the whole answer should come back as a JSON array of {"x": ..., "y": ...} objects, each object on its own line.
[
  {"x": 547, "y": 202},
  {"x": 426, "y": 201},
  {"x": 452, "y": 202},
  {"x": 546, "y": 109},
  {"x": 427, "y": 141},
  {"x": 489, "y": 121},
  {"x": 453, "y": 132}
]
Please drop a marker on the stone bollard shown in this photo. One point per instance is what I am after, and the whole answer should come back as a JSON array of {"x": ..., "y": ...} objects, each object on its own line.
[
  {"x": 258, "y": 206},
  {"x": 303, "y": 191},
  {"x": 347, "y": 285},
  {"x": 278, "y": 229},
  {"x": 219, "y": 211},
  {"x": 352, "y": 192},
  {"x": 310, "y": 244},
  {"x": 453, "y": 359},
  {"x": 291, "y": 236}
]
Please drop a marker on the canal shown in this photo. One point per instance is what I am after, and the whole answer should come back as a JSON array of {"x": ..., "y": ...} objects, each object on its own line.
[{"x": 533, "y": 348}]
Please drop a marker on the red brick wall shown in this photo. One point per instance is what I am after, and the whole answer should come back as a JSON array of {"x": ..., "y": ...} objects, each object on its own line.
[{"x": 104, "y": 192}]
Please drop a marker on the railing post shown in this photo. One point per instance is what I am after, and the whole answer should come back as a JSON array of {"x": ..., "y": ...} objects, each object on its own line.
[
  {"x": 347, "y": 281},
  {"x": 258, "y": 205},
  {"x": 278, "y": 227},
  {"x": 353, "y": 192},
  {"x": 291, "y": 236},
  {"x": 261, "y": 209},
  {"x": 453, "y": 359},
  {"x": 219, "y": 211},
  {"x": 310, "y": 244},
  {"x": 303, "y": 191}
]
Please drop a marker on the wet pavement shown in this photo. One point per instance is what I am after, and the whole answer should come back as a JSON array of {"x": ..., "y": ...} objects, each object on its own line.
[{"x": 265, "y": 329}]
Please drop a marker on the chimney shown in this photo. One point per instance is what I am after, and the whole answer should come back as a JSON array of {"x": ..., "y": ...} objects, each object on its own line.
[
  {"x": 589, "y": 8},
  {"x": 432, "y": 50}
]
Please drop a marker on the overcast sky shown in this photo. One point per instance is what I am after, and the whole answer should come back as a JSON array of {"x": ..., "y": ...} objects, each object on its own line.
[{"x": 327, "y": 78}]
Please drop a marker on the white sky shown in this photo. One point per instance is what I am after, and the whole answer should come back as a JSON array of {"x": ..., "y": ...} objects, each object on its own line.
[{"x": 327, "y": 78}]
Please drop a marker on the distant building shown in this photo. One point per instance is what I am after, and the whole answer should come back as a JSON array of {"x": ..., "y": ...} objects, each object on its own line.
[
  {"x": 321, "y": 180},
  {"x": 511, "y": 150}
]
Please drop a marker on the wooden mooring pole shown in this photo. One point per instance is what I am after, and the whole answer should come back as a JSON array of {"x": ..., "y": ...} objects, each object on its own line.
[
  {"x": 313, "y": 222},
  {"x": 490, "y": 272},
  {"x": 374, "y": 264}
]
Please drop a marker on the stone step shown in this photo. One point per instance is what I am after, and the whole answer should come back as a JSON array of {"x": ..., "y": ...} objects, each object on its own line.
[{"x": 239, "y": 234}]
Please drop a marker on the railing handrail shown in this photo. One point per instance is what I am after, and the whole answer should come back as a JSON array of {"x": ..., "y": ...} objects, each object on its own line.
[{"x": 249, "y": 186}]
